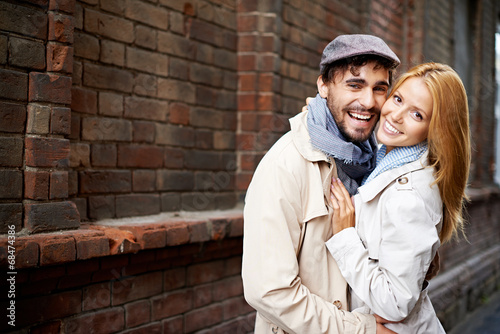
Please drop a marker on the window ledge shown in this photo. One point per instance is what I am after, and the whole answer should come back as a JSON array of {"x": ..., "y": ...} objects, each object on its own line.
[{"x": 122, "y": 236}]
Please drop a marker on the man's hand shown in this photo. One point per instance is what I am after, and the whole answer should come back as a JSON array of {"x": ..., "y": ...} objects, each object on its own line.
[{"x": 381, "y": 329}]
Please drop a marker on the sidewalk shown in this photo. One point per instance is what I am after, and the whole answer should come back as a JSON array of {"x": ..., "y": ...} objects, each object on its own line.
[{"x": 484, "y": 320}]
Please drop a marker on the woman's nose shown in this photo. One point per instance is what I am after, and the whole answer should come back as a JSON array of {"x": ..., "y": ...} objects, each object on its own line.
[{"x": 397, "y": 115}]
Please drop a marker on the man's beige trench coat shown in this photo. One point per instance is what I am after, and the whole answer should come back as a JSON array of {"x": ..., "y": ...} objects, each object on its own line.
[{"x": 289, "y": 277}]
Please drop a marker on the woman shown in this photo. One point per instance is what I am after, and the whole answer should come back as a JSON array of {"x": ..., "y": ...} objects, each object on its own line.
[{"x": 410, "y": 204}]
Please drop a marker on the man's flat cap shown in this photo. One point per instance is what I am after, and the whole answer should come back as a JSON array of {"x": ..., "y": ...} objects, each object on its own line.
[{"x": 345, "y": 46}]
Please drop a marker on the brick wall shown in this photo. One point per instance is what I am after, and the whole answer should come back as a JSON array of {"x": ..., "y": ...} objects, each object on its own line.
[
  {"x": 153, "y": 109},
  {"x": 123, "y": 122},
  {"x": 180, "y": 289}
]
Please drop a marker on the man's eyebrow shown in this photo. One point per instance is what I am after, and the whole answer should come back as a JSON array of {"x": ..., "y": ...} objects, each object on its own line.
[{"x": 363, "y": 82}]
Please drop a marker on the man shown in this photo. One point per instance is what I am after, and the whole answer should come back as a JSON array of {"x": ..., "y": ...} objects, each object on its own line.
[{"x": 288, "y": 275}]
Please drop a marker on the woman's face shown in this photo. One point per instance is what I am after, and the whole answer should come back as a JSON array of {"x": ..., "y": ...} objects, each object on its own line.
[{"x": 406, "y": 115}]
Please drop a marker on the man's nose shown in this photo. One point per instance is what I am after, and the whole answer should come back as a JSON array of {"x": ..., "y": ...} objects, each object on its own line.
[{"x": 367, "y": 99}]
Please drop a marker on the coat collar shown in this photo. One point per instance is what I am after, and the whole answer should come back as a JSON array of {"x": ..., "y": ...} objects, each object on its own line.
[
  {"x": 368, "y": 191},
  {"x": 302, "y": 140}
]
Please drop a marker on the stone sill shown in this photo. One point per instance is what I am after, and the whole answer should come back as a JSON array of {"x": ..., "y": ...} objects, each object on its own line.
[
  {"x": 482, "y": 194},
  {"x": 122, "y": 236}
]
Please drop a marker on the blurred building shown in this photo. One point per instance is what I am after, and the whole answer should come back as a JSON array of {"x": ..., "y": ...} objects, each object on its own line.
[{"x": 130, "y": 129}]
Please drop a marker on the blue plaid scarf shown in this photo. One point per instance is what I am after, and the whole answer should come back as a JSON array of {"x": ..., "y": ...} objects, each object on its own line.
[
  {"x": 397, "y": 157},
  {"x": 353, "y": 161}
]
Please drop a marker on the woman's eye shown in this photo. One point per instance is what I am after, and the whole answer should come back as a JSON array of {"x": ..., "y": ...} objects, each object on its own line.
[
  {"x": 417, "y": 115},
  {"x": 397, "y": 99}
]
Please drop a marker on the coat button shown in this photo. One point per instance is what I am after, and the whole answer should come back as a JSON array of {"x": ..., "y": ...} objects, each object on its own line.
[
  {"x": 338, "y": 304},
  {"x": 403, "y": 180}
]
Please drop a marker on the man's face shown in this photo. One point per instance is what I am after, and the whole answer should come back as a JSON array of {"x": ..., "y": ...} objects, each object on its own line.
[{"x": 355, "y": 101}]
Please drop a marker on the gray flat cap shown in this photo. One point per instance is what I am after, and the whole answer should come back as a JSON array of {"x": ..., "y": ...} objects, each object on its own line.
[{"x": 345, "y": 46}]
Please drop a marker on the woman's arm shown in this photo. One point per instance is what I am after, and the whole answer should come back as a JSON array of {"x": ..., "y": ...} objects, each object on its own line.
[{"x": 391, "y": 284}]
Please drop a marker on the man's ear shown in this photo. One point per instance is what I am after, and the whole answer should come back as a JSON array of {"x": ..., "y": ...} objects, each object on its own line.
[{"x": 322, "y": 87}]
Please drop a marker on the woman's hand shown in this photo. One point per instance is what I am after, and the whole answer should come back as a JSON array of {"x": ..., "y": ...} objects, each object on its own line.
[
  {"x": 308, "y": 99},
  {"x": 381, "y": 329},
  {"x": 343, "y": 208}
]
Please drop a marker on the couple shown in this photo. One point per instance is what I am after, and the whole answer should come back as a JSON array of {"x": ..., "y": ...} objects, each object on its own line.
[{"x": 306, "y": 243}]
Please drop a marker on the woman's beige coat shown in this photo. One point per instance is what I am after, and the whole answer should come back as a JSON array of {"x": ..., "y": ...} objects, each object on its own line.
[{"x": 289, "y": 277}]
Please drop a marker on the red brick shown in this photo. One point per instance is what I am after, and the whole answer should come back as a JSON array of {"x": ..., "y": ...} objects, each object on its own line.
[
  {"x": 76, "y": 281},
  {"x": 99, "y": 128},
  {"x": 86, "y": 46},
  {"x": 105, "y": 322},
  {"x": 11, "y": 214},
  {"x": 12, "y": 117},
  {"x": 150, "y": 14},
  {"x": 170, "y": 304},
  {"x": 4, "y": 50},
  {"x": 60, "y": 121},
  {"x": 208, "y": 75},
  {"x": 99, "y": 76},
  {"x": 137, "y": 313},
  {"x": 174, "y": 158},
  {"x": 173, "y": 325},
  {"x": 235, "y": 307},
  {"x": 147, "y": 61},
  {"x": 82, "y": 267},
  {"x": 112, "y": 53},
  {"x": 11, "y": 152},
  {"x": 91, "y": 244},
  {"x": 60, "y": 28},
  {"x": 58, "y": 185},
  {"x": 176, "y": 45},
  {"x": 67, "y": 6},
  {"x": 27, "y": 252},
  {"x": 109, "y": 26},
  {"x": 59, "y": 58},
  {"x": 43, "y": 308},
  {"x": 143, "y": 180},
  {"x": 198, "y": 231},
  {"x": 50, "y": 327},
  {"x": 110, "y": 104},
  {"x": 177, "y": 90},
  {"x": 145, "y": 37},
  {"x": 144, "y": 131},
  {"x": 13, "y": 85},
  {"x": 38, "y": 119},
  {"x": 104, "y": 155},
  {"x": 47, "y": 152},
  {"x": 83, "y": 100},
  {"x": 137, "y": 205},
  {"x": 23, "y": 20},
  {"x": 136, "y": 288},
  {"x": 49, "y": 88},
  {"x": 141, "y": 156},
  {"x": 144, "y": 108},
  {"x": 174, "y": 279},
  {"x": 227, "y": 288},
  {"x": 145, "y": 85},
  {"x": 102, "y": 207},
  {"x": 177, "y": 234},
  {"x": 150, "y": 236},
  {"x": 203, "y": 317},
  {"x": 179, "y": 68},
  {"x": 36, "y": 185},
  {"x": 75, "y": 126},
  {"x": 26, "y": 53},
  {"x": 57, "y": 250},
  {"x": 44, "y": 217},
  {"x": 79, "y": 155},
  {"x": 202, "y": 295},
  {"x": 105, "y": 181},
  {"x": 96, "y": 296},
  {"x": 205, "y": 272},
  {"x": 11, "y": 184},
  {"x": 167, "y": 134},
  {"x": 179, "y": 113}
]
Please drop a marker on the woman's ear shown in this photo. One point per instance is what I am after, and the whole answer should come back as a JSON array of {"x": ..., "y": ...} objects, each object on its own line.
[{"x": 322, "y": 87}]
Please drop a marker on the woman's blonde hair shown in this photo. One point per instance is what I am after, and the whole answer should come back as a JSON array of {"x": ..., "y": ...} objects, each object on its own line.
[{"x": 448, "y": 139}]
